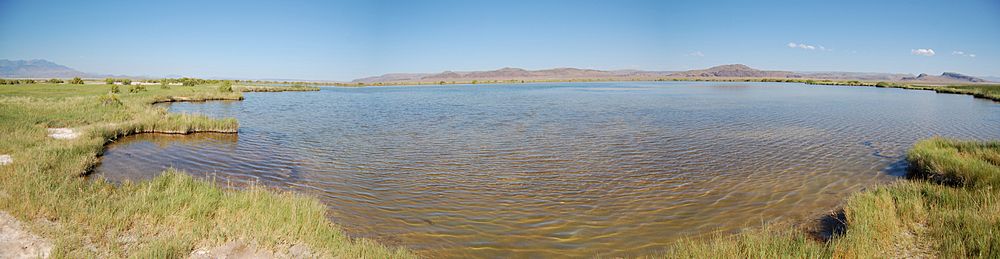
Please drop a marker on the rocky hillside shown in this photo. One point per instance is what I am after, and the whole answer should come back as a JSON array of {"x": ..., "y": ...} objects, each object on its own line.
[
  {"x": 946, "y": 77},
  {"x": 734, "y": 70}
]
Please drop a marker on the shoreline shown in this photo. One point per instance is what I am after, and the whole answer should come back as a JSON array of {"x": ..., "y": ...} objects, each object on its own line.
[
  {"x": 945, "y": 88},
  {"x": 92, "y": 216},
  {"x": 913, "y": 217},
  {"x": 152, "y": 120}
]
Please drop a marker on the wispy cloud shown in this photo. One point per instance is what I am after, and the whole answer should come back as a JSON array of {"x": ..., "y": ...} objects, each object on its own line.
[
  {"x": 807, "y": 46},
  {"x": 963, "y": 53},
  {"x": 922, "y": 52},
  {"x": 696, "y": 54}
]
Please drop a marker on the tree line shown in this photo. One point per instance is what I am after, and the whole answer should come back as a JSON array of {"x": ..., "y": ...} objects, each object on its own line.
[{"x": 75, "y": 81}]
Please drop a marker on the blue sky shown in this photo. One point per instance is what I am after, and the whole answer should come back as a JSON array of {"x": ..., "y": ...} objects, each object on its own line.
[{"x": 344, "y": 40}]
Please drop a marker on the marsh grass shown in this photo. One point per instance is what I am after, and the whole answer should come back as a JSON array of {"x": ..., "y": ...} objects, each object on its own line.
[
  {"x": 292, "y": 88},
  {"x": 919, "y": 217},
  {"x": 991, "y": 92},
  {"x": 166, "y": 217}
]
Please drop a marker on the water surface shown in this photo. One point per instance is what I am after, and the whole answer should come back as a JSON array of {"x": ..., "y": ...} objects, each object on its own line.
[{"x": 566, "y": 169}]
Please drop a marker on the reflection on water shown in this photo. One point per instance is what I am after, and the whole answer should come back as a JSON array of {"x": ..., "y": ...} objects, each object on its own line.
[{"x": 573, "y": 169}]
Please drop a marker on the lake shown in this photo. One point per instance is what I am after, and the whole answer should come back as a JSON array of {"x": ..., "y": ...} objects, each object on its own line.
[{"x": 562, "y": 169}]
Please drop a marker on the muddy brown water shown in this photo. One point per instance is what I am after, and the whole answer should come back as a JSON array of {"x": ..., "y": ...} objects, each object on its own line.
[{"x": 565, "y": 169}]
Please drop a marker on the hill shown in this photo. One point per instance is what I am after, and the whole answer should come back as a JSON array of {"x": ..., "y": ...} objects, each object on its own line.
[
  {"x": 734, "y": 70},
  {"x": 723, "y": 71},
  {"x": 946, "y": 77},
  {"x": 37, "y": 68}
]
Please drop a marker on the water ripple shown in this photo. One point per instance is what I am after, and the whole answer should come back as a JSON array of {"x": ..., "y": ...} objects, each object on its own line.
[{"x": 557, "y": 170}]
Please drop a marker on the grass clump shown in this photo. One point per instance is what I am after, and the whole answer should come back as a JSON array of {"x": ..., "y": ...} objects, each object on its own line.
[
  {"x": 109, "y": 99},
  {"x": 970, "y": 164},
  {"x": 226, "y": 87},
  {"x": 136, "y": 88},
  {"x": 950, "y": 208},
  {"x": 166, "y": 217}
]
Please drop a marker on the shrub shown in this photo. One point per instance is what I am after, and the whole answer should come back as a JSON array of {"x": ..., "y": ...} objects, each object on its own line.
[
  {"x": 136, "y": 88},
  {"x": 109, "y": 81},
  {"x": 884, "y": 84},
  {"x": 12, "y": 81},
  {"x": 76, "y": 81},
  {"x": 110, "y": 99},
  {"x": 54, "y": 81},
  {"x": 226, "y": 87},
  {"x": 114, "y": 89}
]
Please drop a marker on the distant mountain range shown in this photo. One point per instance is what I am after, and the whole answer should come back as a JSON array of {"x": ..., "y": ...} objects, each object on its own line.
[
  {"x": 40, "y": 68},
  {"x": 37, "y": 68},
  {"x": 723, "y": 71},
  {"x": 944, "y": 78},
  {"x": 508, "y": 73}
]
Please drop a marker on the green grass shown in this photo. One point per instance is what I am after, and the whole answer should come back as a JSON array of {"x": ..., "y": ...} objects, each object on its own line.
[
  {"x": 949, "y": 209},
  {"x": 991, "y": 92},
  {"x": 168, "y": 216}
]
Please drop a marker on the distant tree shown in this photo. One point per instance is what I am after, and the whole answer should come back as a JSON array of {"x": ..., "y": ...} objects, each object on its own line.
[
  {"x": 54, "y": 81},
  {"x": 109, "y": 81},
  {"x": 76, "y": 81},
  {"x": 188, "y": 81},
  {"x": 126, "y": 81}
]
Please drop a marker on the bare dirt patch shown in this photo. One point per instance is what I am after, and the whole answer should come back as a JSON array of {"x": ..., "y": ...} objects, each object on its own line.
[
  {"x": 63, "y": 133},
  {"x": 236, "y": 249},
  {"x": 6, "y": 159},
  {"x": 16, "y": 242}
]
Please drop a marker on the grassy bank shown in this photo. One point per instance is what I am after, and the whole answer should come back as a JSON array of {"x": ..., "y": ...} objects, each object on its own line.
[
  {"x": 986, "y": 91},
  {"x": 950, "y": 208},
  {"x": 292, "y": 88},
  {"x": 991, "y": 92},
  {"x": 169, "y": 216}
]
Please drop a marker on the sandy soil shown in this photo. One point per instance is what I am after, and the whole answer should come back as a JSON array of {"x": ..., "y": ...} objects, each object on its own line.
[
  {"x": 16, "y": 242},
  {"x": 242, "y": 250}
]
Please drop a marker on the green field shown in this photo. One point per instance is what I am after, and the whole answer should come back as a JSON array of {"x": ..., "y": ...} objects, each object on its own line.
[{"x": 169, "y": 216}]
